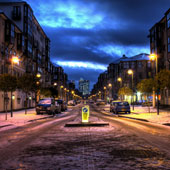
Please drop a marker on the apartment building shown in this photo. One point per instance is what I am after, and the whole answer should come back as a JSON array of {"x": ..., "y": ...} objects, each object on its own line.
[
  {"x": 22, "y": 36},
  {"x": 141, "y": 66},
  {"x": 159, "y": 36}
]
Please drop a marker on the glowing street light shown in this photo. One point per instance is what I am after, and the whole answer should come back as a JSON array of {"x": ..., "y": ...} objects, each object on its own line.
[
  {"x": 130, "y": 72},
  {"x": 15, "y": 60},
  {"x": 104, "y": 93},
  {"x": 55, "y": 84},
  {"x": 110, "y": 85},
  {"x": 155, "y": 58},
  {"x": 38, "y": 75},
  {"x": 119, "y": 79}
]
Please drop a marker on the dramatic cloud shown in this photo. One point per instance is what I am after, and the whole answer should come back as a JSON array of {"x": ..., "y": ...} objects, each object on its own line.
[{"x": 87, "y": 35}]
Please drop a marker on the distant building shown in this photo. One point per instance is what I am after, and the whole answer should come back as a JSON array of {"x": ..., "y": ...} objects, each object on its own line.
[
  {"x": 142, "y": 69},
  {"x": 84, "y": 86}
]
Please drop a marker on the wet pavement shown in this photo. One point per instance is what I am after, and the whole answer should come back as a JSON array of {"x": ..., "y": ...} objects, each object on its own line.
[{"x": 110, "y": 147}]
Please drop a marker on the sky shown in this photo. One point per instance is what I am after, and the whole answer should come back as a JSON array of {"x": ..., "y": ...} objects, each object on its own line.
[{"x": 87, "y": 35}]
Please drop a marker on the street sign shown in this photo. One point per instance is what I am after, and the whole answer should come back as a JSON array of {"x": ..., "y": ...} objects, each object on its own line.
[{"x": 85, "y": 114}]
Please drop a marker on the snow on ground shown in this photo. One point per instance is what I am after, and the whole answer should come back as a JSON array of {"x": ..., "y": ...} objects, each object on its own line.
[
  {"x": 20, "y": 118},
  {"x": 149, "y": 114}
]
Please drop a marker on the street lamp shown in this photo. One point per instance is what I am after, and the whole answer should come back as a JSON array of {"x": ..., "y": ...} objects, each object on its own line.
[
  {"x": 154, "y": 57},
  {"x": 14, "y": 60},
  {"x": 130, "y": 72},
  {"x": 38, "y": 76},
  {"x": 55, "y": 84},
  {"x": 65, "y": 92},
  {"x": 104, "y": 93},
  {"x": 110, "y": 87},
  {"x": 119, "y": 79},
  {"x": 99, "y": 94}
]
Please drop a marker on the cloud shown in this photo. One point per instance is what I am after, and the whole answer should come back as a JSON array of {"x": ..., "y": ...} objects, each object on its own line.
[
  {"x": 87, "y": 65},
  {"x": 88, "y": 32}
]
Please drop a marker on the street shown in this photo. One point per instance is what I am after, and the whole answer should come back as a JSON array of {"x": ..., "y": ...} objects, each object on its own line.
[{"x": 48, "y": 144}]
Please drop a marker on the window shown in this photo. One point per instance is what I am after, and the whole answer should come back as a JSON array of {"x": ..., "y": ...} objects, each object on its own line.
[
  {"x": 168, "y": 44},
  {"x": 126, "y": 65},
  {"x": 18, "y": 100},
  {"x": 12, "y": 30},
  {"x": 168, "y": 20},
  {"x": 16, "y": 13},
  {"x": 153, "y": 35},
  {"x": 149, "y": 64},
  {"x": 140, "y": 64},
  {"x": 29, "y": 48},
  {"x": 140, "y": 75},
  {"x": 132, "y": 64}
]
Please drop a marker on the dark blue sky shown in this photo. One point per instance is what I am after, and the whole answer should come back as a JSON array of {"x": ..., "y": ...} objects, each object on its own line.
[{"x": 87, "y": 35}]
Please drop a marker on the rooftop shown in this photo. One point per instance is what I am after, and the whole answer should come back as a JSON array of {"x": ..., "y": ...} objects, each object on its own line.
[{"x": 140, "y": 57}]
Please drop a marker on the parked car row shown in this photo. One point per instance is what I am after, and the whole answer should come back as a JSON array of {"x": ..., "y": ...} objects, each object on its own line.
[{"x": 50, "y": 106}]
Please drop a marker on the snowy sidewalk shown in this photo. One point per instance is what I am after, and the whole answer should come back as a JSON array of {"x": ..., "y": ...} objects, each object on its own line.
[
  {"x": 144, "y": 113},
  {"x": 19, "y": 118},
  {"x": 140, "y": 112}
]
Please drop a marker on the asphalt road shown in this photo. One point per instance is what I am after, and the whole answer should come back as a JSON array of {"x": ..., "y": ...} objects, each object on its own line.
[{"x": 48, "y": 144}]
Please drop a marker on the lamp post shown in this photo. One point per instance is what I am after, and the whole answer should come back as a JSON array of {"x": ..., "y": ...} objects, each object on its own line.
[
  {"x": 72, "y": 92},
  {"x": 119, "y": 79},
  {"x": 104, "y": 93},
  {"x": 110, "y": 87},
  {"x": 38, "y": 76},
  {"x": 61, "y": 87},
  {"x": 99, "y": 94},
  {"x": 130, "y": 72},
  {"x": 65, "y": 93},
  {"x": 154, "y": 57},
  {"x": 14, "y": 60}
]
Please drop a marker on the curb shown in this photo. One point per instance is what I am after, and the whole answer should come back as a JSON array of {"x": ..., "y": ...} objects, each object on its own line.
[
  {"x": 89, "y": 124},
  {"x": 6, "y": 125},
  {"x": 144, "y": 120},
  {"x": 40, "y": 118}
]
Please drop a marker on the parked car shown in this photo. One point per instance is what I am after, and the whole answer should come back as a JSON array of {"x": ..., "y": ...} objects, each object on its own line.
[
  {"x": 119, "y": 107},
  {"x": 100, "y": 102},
  {"x": 62, "y": 103},
  {"x": 71, "y": 103},
  {"x": 46, "y": 105}
]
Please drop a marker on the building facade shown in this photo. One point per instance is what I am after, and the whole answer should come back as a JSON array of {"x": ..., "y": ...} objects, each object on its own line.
[
  {"x": 84, "y": 86},
  {"x": 22, "y": 36},
  {"x": 159, "y": 36},
  {"x": 108, "y": 84}
]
